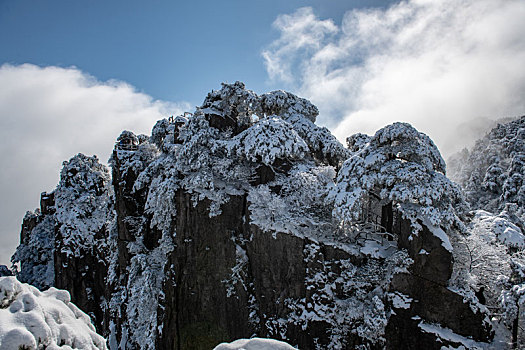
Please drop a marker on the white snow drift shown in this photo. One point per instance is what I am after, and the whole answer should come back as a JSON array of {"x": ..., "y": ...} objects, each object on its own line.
[
  {"x": 255, "y": 344},
  {"x": 31, "y": 319}
]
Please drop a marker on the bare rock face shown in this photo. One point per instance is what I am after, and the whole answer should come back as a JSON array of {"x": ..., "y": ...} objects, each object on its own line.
[
  {"x": 4, "y": 271},
  {"x": 228, "y": 279},
  {"x": 429, "y": 302},
  {"x": 35, "y": 254},
  {"x": 84, "y": 278},
  {"x": 432, "y": 304},
  {"x": 432, "y": 260},
  {"x": 198, "y": 311}
]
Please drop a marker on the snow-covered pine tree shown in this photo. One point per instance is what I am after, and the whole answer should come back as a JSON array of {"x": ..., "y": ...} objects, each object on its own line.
[
  {"x": 492, "y": 172},
  {"x": 399, "y": 165}
]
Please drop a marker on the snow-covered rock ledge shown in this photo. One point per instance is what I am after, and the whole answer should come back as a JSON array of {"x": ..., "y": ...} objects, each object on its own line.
[{"x": 31, "y": 319}]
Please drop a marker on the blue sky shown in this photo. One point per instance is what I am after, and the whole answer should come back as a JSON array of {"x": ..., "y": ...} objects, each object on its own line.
[
  {"x": 171, "y": 50},
  {"x": 74, "y": 74}
]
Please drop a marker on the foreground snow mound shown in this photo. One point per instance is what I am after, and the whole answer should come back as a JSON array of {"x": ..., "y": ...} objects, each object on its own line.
[
  {"x": 30, "y": 319},
  {"x": 255, "y": 344}
]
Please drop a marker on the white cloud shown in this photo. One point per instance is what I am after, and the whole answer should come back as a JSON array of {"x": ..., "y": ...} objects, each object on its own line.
[
  {"x": 301, "y": 32},
  {"x": 436, "y": 64},
  {"x": 47, "y": 115}
]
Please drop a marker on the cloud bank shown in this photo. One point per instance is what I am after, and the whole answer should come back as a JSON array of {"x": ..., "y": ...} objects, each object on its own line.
[
  {"x": 47, "y": 115},
  {"x": 439, "y": 65}
]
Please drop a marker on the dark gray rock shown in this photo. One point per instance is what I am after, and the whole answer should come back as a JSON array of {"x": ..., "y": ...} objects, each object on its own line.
[
  {"x": 197, "y": 312},
  {"x": 4, "y": 271},
  {"x": 432, "y": 302},
  {"x": 431, "y": 260}
]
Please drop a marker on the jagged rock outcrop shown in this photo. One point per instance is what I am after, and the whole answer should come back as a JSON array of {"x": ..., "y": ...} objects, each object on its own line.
[
  {"x": 239, "y": 221},
  {"x": 64, "y": 243},
  {"x": 35, "y": 254}
]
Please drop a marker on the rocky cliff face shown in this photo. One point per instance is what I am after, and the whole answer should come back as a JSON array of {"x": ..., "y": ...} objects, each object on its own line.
[
  {"x": 227, "y": 225},
  {"x": 64, "y": 243}
]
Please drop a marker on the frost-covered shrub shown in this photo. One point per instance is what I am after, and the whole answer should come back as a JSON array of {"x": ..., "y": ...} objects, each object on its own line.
[
  {"x": 301, "y": 114},
  {"x": 159, "y": 132},
  {"x": 43, "y": 320},
  {"x": 512, "y": 297},
  {"x": 82, "y": 201},
  {"x": 513, "y": 187},
  {"x": 268, "y": 140},
  {"x": 152, "y": 181},
  {"x": 267, "y": 210},
  {"x": 351, "y": 301},
  {"x": 72, "y": 229},
  {"x": 481, "y": 254},
  {"x": 299, "y": 207},
  {"x": 134, "y": 161},
  {"x": 323, "y": 145},
  {"x": 357, "y": 142},
  {"x": 146, "y": 274},
  {"x": 198, "y": 144},
  {"x": 512, "y": 300},
  {"x": 243, "y": 107},
  {"x": 403, "y": 166},
  {"x": 128, "y": 137},
  {"x": 161, "y": 202},
  {"x": 306, "y": 188},
  {"x": 215, "y": 163},
  {"x": 165, "y": 134},
  {"x": 205, "y": 169},
  {"x": 494, "y": 178},
  {"x": 285, "y": 104},
  {"x": 499, "y": 227},
  {"x": 488, "y": 264},
  {"x": 232, "y": 101}
]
